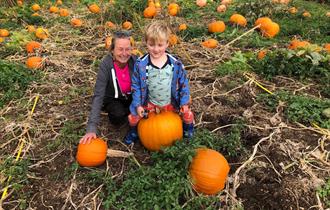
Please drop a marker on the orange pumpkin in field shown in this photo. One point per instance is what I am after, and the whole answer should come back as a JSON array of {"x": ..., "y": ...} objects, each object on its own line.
[
  {"x": 296, "y": 44},
  {"x": 108, "y": 42},
  {"x": 182, "y": 27},
  {"x": 94, "y": 8},
  {"x": 150, "y": 12},
  {"x": 32, "y": 45},
  {"x": 110, "y": 24},
  {"x": 261, "y": 54},
  {"x": 270, "y": 30},
  {"x": 35, "y": 7},
  {"x": 238, "y": 20},
  {"x": 160, "y": 130},
  {"x": 327, "y": 47},
  {"x": 34, "y": 62},
  {"x": 75, "y": 22},
  {"x": 262, "y": 22},
  {"x": 53, "y": 9},
  {"x": 173, "y": 9},
  {"x": 216, "y": 26},
  {"x": 210, "y": 43},
  {"x": 208, "y": 170},
  {"x": 31, "y": 28},
  {"x": 127, "y": 25},
  {"x": 42, "y": 33},
  {"x": 4, "y": 33},
  {"x": 64, "y": 12},
  {"x": 201, "y": 3},
  {"x": 92, "y": 154},
  {"x": 221, "y": 8},
  {"x": 173, "y": 40}
]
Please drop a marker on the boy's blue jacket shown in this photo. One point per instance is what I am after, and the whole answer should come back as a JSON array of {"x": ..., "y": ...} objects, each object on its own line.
[{"x": 180, "y": 93}]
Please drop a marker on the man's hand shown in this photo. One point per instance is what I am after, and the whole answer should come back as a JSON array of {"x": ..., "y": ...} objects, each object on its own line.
[
  {"x": 87, "y": 138},
  {"x": 140, "y": 111}
]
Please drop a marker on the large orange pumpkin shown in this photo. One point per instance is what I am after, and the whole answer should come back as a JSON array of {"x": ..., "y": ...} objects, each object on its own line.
[
  {"x": 92, "y": 154},
  {"x": 53, "y": 9},
  {"x": 262, "y": 22},
  {"x": 327, "y": 47},
  {"x": 173, "y": 9},
  {"x": 270, "y": 30},
  {"x": 160, "y": 130},
  {"x": 208, "y": 170},
  {"x": 216, "y": 26}
]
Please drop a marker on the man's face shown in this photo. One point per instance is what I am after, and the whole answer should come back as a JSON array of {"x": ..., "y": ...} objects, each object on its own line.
[{"x": 122, "y": 50}]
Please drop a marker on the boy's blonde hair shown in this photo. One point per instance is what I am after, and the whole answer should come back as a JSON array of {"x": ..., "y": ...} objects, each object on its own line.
[{"x": 157, "y": 31}]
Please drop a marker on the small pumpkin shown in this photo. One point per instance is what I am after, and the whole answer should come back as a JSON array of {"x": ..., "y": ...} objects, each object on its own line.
[
  {"x": 261, "y": 54},
  {"x": 293, "y": 10},
  {"x": 216, "y": 26},
  {"x": 34, "y": 62},
  {"x": 296, "y": 44},
  {"x": 127, "y": 25},
  {"x": 42, "y": 33},
  {"x": 173, "y": 9},
  {"x": 238, "y": 20},
  {"x": 30, "y": 28},
  {"x": 76, "y": 22},
  {"x": 92, "y": 154},
  {"x": 110, "y": 24},
  {"x": 2, "y": 39},
  {"x": 157, "y": 4},
  {"x": 226, "y": 2},
  {"x": 59, "y": 2},
  {"x": 35, "y": 7},
  {"x": 307, "y": 14},
  {"x": 173, "y": 39},
  {"x": 32, "y": 45},
  {"x": 64, "y": 12},
  {"x": 221, "y": 8},
  {"x": 208, "y": 171},
  {"x": 94, "y": 8},
  {"x": 160, "y": 130},
  {"x": 19, "y": 3},
  {"x": 4, "y": 33},
  {"x": 327, "y": 47},
  {"x": 150, "y": 12},
  {"x": 210, "y": 43},
  {"x": 182, "y": 27},
  {"x": 35, "y": 14},
  {"x": 201, "y": 3},
  {"x": 53, "y": 9},
  {"x": 108, "y": 42}
]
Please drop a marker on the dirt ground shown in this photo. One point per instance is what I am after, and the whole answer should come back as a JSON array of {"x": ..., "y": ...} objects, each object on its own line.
[{"x": 282, "y": 168}]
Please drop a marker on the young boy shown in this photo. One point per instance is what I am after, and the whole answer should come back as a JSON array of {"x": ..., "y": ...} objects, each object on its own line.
[{"x": 160, "y": 82}]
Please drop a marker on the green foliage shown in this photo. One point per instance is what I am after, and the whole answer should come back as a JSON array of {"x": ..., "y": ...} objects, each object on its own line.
[
  {"x": 14, "y": 80},
  {"x": 164, "y": 184},
  {"x": 237, "y": 63},
  {"x": 324, "y": 193},
  {"x": 253, "y": 9},
  {"x": 125, "y": 11},
  {"x": 70, "y": 133},
  {"x": 17, "y": 170},
  {"x": 193, "y": 32},
  {"x": 301, "y": 64},
  {"x": 301, "y": 109}
]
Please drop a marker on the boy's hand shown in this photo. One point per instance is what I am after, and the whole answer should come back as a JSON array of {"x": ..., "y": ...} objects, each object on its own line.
[
  {"x": 87, "y": 138},
  {"x": 140, "y": 111},
  {"x": 184, "y": 109}
]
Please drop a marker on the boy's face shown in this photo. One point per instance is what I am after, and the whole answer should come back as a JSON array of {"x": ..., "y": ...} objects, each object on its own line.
[
  {"x": 157, "y": 48},
  {"x": 122, "y": 50}
]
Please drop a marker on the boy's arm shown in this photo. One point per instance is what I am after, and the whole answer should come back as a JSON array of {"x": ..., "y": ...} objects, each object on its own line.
[
  {"x": 97, "y": 101},
  {"x": 184, "y": 91},
  {"x": 136, "y": 91}
]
